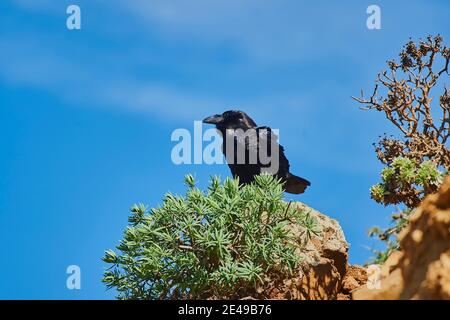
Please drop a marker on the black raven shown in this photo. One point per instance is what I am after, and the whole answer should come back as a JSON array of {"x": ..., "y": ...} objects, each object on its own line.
[{"x": 228, "y": 124}]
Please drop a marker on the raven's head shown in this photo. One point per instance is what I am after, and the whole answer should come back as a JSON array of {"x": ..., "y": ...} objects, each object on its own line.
[{"x": 232, "y": 119}]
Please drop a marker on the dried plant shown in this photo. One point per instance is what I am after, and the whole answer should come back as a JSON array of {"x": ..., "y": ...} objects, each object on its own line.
[
  {"x": 417, "y": 162},
  {"x": 404, "y": 94}
]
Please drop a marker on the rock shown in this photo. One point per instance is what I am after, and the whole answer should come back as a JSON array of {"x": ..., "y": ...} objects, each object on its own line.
[
  {"x": 421, "y": 269},
  {"x": 349, "y": 284},
  {"x": 358, "y": 273},
  {"x": 355, "y": 277},
  {"x": 323, "y": 267}
]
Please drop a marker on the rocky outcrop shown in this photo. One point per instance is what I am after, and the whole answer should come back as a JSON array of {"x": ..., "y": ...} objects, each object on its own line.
[
  {"x": 421, "y": 269},
  {"x": 324, "y": 272}
]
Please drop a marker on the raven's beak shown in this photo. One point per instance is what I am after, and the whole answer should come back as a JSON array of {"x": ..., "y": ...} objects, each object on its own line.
[{"x": 215, "y": 119}]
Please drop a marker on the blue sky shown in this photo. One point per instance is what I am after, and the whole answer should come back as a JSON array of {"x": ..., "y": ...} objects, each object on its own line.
[{"x": 86, "y": 115}]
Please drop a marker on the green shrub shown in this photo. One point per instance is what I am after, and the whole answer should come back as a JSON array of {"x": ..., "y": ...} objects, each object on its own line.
[
  {"x": 405, "y": 181},
  {"x": 225, "y": 242}
]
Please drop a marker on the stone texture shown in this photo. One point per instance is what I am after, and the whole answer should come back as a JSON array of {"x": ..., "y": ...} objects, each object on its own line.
[
  {"x": 324, "y": 266},
  {"x": 421, "y": 269}
]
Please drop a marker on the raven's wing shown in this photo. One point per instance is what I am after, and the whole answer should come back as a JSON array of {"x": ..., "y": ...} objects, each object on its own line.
[
  {"x": 270, "y": 150},
  {"x": 258, "y": 151},
  {"x": 241, "y": 155},
  {"x": 268, "y": 139}
]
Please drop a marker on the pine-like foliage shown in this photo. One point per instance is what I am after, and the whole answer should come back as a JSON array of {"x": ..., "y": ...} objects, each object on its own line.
[{"x": 229, "y": 241}]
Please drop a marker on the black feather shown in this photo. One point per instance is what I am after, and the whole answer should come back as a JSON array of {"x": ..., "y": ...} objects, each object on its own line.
[{"x": 262, "y": 137}]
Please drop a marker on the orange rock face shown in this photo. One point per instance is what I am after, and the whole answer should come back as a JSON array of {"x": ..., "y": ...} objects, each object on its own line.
[
  {"x": 421, "y": 270},
  {"x": 325, "y": 273}
]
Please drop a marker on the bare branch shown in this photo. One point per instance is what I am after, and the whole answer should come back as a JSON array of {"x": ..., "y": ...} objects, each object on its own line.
[{"x": 407, "y": 102}]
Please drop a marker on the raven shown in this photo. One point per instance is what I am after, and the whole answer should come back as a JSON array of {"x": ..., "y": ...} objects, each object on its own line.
[{"x": 233, "y": 121}]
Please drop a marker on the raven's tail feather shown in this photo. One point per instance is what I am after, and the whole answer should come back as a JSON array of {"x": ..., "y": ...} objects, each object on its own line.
[{"x": 296, "y": 185}]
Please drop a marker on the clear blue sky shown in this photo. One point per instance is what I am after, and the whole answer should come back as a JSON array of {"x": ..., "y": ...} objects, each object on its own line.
[{"x": 86, "y": 115}]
